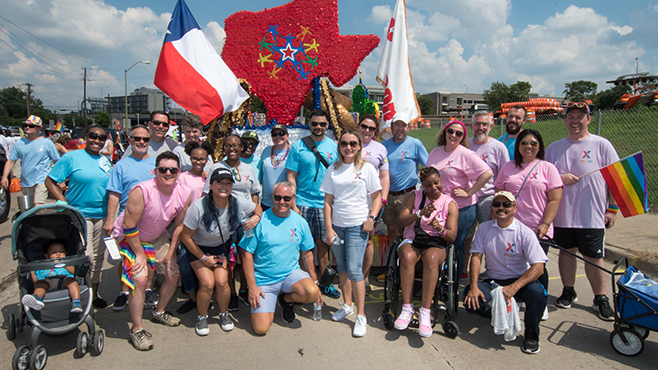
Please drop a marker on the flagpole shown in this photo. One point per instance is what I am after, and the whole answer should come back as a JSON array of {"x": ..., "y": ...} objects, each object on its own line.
[{"x": 589, "y": 173}]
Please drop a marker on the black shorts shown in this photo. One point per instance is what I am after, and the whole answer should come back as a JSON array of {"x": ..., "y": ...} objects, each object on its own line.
[
  {"x": 220, "y": 250},
  {"x": 590, "y": 242}
]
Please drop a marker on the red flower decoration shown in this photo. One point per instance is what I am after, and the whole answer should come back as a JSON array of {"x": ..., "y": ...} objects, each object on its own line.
[{"x": 280, "y": 51}]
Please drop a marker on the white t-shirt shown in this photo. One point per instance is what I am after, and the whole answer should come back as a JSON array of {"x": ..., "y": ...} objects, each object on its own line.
[
  {"x": 495, "y": 155},
  {"x": 350, "y": 189},
  {"x": 584, "y": 203}
]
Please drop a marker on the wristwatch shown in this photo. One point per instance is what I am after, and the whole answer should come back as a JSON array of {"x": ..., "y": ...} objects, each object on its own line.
[{"x": 371, "y": 216}]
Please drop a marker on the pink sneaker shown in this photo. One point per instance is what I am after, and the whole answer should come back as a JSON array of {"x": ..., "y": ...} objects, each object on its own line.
[
  {"x": 425, "y": 323},
  {"x": 405, "y": 317}
]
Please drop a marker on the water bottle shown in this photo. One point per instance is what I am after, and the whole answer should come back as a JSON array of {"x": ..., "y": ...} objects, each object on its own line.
[
  {"x": 337, "y": 241},
  {"x": 317, "y": 311},
  {"x": 247, "y": 233}
]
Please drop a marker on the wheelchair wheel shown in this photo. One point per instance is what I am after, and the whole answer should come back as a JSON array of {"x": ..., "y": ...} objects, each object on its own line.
[
  {"x": 451, "y": 329},
  {"x": 389, "y": 321}
]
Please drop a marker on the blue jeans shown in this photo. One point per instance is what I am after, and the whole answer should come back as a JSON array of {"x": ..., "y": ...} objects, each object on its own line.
[
  {"x": 187, "y": 275},
  {"x": 466, "y": 219},
  {"x": 349, "y": 255}
]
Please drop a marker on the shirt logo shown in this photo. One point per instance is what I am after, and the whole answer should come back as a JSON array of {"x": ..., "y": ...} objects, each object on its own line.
[
  {"x": 153, "y": 172},
  {"x": 533, "y": 176},
  {"x": 178, "y": 209},
  {"x": 292, "y": 231},
  {"x": 328, "y": 156},
  {"x": 403, "y": 156},
  {"x": 357, "y": 177},
  {"x": 484, "y": 158},
  {"x": 449, "y": 164},
  {"x": 511, "y": 250},
  {"x": 367, "y": 154},
  {"x": 586, "y": 155},
  {"x": 293, "y": 235},
  {"x": 586, "y": 158}
]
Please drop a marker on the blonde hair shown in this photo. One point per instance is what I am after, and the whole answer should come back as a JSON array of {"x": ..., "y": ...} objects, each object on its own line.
[{"x": 358, "y": 160}]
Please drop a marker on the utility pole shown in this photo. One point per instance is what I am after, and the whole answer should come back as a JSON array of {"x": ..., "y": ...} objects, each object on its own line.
[
  {"x": 27, "y": 97},
  {"x": 84, "y": 102},
  {"x": 109, "y": 107}
]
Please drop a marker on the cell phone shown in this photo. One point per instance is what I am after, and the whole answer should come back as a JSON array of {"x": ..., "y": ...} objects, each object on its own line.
[
  {"x": 112, "y": 248},
  {"x": 219, "y": 260}
]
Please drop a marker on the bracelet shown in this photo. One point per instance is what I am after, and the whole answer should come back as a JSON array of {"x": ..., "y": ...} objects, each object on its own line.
[
  {"x": 371, "y": 216},
  {"x": 258, "y": 216},
  {"x": 418, "y": 213},
  {"x": 384, "y": 201},
  {"x": 130, "y": 232},
  {"x": 443, "y": 232},
  {"x": 204, "y": 257},
  {"x": 613, "y": 209}
]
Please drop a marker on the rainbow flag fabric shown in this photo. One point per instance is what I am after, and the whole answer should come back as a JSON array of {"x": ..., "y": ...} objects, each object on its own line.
[
  {"x": 59, "y": 127},
  {"x": 628, "y": 183}
]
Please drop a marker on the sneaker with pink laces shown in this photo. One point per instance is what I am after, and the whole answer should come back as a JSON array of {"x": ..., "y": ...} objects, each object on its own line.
[
  {"x": 425, "y": 323},
  {"x": 405, "y": 317}
]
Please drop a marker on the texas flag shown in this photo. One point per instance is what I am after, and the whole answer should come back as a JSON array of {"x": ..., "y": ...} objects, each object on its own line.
[
  {"x": 192, "y": 73},
  {"x": 394, "y": 74}
]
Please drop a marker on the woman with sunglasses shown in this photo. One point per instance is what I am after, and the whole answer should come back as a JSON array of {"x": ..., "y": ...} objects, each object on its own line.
[
  {"x": 463, "y": 174},
  {"x": 273, "y": 163},
  {"x": 348, "y": 220},
  {"x": 208, "y": 225},
  {"x": 88, "y": 173},
  {"x": 429, "y": 218},
  {"x": 537, "y": 186},
  {"x": 376, "y": 154}
]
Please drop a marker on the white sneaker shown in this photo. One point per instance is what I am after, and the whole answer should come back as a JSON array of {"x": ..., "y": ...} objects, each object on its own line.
[
  {"x": 225, "y": 322},
  {"x": 201, "y": 327},
  {"x": 360, "y": 326},
  {"x": 343, "y": 312},
  {"x": 544, "y": 317},
  {"x": 32, "y": 302}
]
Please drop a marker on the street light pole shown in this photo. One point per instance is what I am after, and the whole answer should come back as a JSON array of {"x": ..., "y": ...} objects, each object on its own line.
[
  {"x": 466, "y": 96},
  {"x": 125, "y": 82}
]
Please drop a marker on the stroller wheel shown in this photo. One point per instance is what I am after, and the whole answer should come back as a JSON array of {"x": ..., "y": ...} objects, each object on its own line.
[
  {"x": 38, "y": 358},
  {"x": 11, "y": 327},
  {"x": 451, "y": 329},
  {"x": 97, "y": 342},
  {"x": 388, "y": 321},
  {"x": 634, "y": 342},
  {"x": 82, "y": 344},
  {"x": 21, "y": 358}
]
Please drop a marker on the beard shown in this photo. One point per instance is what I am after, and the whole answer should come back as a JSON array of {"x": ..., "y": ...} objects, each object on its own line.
[{"x": 513, "y": 131}]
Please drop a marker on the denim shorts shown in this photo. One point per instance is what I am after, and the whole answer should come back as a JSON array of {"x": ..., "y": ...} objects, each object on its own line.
[
  {"x": 349, "y": 255},
  {"x": 272, "y": 291}
]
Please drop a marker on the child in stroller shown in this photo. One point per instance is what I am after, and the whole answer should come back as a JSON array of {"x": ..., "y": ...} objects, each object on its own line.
[{"x": 55, "y": 278}]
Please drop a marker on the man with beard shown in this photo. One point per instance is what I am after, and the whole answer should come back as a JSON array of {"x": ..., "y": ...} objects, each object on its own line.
[
  {"x": 514, "y": 121},
  {"x": 158, "y": 127},
  {"x": 514, "y": 261},
  {"x": 495, "y": 155}
]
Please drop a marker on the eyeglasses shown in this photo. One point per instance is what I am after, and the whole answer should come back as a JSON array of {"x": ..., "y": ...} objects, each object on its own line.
[
  {"x": 232, "y": 146},
  {"x": 199, "y": 159},
  {"x": 321, "y": 124},
  {"x": 277, "y": 198},
  {"x": 278, "y": 133},
  {"x": 368, "y": 128},
  {"x": 172, "y": 170},
  {"x": 95, "y": 136},
  {"x": 158, "y": 123},
  {"x": 504, "y": 204},
  {"x": 531, "y": 143},
  {"x": 455, "y": 132},
  {"x": 578, "y": 104},
  {"x": 353, "y": 144},
  {"x": 139, "y": 138}
]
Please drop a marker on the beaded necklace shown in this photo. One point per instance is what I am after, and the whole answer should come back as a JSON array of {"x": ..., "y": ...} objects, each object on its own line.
[{"x": 276, "y": 162}]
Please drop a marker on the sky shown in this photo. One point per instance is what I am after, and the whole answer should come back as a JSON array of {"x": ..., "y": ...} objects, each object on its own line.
[{"x": 454, "y": 46}]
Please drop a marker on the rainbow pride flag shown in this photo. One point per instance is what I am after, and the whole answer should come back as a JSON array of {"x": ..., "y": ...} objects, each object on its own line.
[
  {"x": 59, "y": 127},
  {"x": 628, "y": 184}
]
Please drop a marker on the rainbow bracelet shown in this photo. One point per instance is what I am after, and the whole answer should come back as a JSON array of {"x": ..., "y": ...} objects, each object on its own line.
[
  {"x": 130, "y": 232},
  {"x": 613, "y": 209}
]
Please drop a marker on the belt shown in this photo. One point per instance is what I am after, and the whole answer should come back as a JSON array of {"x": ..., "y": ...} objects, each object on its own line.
[{"x": 405, "y": 191}]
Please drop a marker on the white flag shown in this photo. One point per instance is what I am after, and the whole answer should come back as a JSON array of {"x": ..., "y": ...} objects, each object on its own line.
[{"x": 394, "y": 74}]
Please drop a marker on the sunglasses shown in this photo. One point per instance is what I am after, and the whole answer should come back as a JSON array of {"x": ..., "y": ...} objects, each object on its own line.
[
  {"x": 158, "y": 123},
  {"x": 321, "y": 124},
  {"x": 353, "y": 144},
  {"x": 531, "y": 143},
  {"x": 579, "y": 104},
  {"x": 95, "y": 136},
  {"x": 172, "y": 170},
  {"x": 31, "y": 126},
  {"x": 368, "y": 128},
  {"x": 277, "y": 198},
  {"x": 250, "y": 144},
  {"x": 278, "y": 133},
  {"x": 504, "y": 204},
  {"x": 139, "y": 138},
  {"x": 455, "y": 132}
]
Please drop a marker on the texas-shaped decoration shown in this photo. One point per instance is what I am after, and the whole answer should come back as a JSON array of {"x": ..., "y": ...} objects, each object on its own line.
[{"x": 280, "y": 51}]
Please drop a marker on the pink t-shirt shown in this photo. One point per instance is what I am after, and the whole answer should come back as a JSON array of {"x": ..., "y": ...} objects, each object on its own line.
[
  {"x": 495, "y": 155},
  {"x": 584, "y": 203},
  {"x": 195, "y": 183},
  {"x": 441, "y": 213},
  {"x": 532, "y": 201},
  {"x": 159, "y": 210},
  {"x": 459, "y": 169}
]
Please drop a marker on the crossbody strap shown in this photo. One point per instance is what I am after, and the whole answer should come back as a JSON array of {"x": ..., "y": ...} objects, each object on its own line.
[
  {"x": 526, "y": 179},
  {"x": 310, "y": 144}
]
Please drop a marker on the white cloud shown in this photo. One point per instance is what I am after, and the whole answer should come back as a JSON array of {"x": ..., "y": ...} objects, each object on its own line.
[
  {"x": 380, "y": 14},
  {"x": 216, "y": 35}
]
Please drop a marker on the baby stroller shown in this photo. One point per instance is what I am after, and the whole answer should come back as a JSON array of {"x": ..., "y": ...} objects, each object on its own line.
[
  {"x": 447, "y": 291},
  {"x": 30, "y": 232}
]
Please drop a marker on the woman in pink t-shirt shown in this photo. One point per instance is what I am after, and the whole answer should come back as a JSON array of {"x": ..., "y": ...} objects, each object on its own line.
[
  {"x": 430, "y": 221},
  {"x": 463, "y": 174}
]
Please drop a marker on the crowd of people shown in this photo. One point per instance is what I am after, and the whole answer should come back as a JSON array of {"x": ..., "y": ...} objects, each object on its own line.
[{"x": 272, "y": 219}]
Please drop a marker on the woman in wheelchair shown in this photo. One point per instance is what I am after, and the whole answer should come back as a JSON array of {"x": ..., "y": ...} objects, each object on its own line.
[{"x": 430, "y": 218}]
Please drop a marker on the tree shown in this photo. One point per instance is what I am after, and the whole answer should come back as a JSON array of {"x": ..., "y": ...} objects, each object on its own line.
[
  {"x": 606, "y": 99},
  {"x": 501, "y": 93},
  {"x": 580, "y": 90},
  {"x": 13, "y": 107},
  {"x": 257, "y": 105},
  {"x": 426, "y": 104},
  {"x": 102, "y": 118}
]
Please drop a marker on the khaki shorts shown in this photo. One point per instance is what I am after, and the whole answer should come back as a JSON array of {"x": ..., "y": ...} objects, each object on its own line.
[
  {"x": 39, "y": 193},
  {"x": 161, "y": 246},
  {"x": 391, "y": 215}
]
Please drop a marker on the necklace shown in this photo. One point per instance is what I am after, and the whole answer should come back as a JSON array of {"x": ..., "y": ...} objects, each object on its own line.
[{"x": 276, "y": 162}]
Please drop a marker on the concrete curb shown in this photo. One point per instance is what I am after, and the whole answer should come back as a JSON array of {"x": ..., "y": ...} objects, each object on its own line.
[{"x": 644, "y": 261}]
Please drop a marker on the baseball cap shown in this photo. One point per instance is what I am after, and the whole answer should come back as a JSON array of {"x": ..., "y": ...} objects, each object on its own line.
[
  {"x": 251, "y": 135},
  {"x": 279, "y": 126},
  {"x": 505, "y": 194},
  {"x": 221, "y": 174},
  {"x": 33, "y": 120}
]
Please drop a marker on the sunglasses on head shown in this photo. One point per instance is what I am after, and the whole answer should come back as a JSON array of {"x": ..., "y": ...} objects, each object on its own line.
[
  {"x": 172, "y": 170},
  {"x": 277, "y": 198},
  {"x": 139, "y": 138},
  {"x": 457, "y": 133},
  {"x": 578, "y": 104},
  {"x": 531, "y": 143},
  {"x": 368, "y": 128},
  {"x": 158, "y": 123},
  {"x": 278, "y": 133},
  {"x": 353, "y": 144},
  {"x": 321, "y": 124},
  {"x": 95, "y": 136},
  {"x": 504, "y": 204}
]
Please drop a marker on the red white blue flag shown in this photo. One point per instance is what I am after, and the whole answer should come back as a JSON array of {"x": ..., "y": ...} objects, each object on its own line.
[{"x": 192, "y": 73}]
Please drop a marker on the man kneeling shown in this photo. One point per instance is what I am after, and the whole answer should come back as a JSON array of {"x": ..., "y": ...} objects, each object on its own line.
[
  {"x": 270, "y": 261},
  {"x": 514, "y": 261}
]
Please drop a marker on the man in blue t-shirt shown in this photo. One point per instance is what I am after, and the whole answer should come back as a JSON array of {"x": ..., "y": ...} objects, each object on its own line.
[
  {"x": 404, "y": 155},
  {"x": 270, "y": 259},
  {"x": 514, "y": 121},
  {"x": 306, "y": 172},
  {"x": 36, "y": 154}
]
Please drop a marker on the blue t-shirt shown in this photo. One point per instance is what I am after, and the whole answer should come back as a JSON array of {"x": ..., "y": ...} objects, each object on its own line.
[
  {"x": 127, "y": 173},
  {"x": 403, "y": 161},
  {"x": 36, "y": 157},
  {"x": 60, "y": 271},
  {"x": 276, "y": 246},
  {"x": 310, "y": 172},
  {"x": 88, "y": 176},
  {"x": 254, "y": 162},
  {"x": 269, "y": 175},
  {"x": 509, "y": 143}
]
